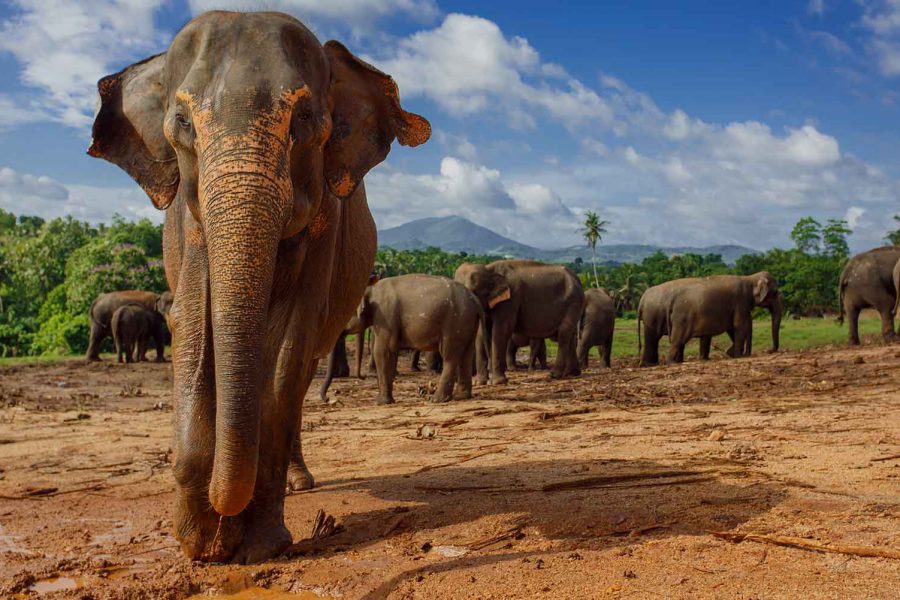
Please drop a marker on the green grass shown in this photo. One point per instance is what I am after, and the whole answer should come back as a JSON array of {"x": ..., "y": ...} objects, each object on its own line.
[{"x": 796, "y": 334}]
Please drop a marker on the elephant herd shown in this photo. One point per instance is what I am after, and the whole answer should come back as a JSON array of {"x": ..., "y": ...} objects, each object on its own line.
[{"x": 255, "y": 138}]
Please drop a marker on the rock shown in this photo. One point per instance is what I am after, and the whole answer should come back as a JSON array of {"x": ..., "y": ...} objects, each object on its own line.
[{"x": 716, "y": 435}]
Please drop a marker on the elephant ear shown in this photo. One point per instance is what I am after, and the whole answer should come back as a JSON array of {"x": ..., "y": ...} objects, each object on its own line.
[
  {"x": 366, "y": 117},
  {"x": 500, "y": 291},
  {"x": 762, "y": 288},
  {"x": 128, "y": 129}
]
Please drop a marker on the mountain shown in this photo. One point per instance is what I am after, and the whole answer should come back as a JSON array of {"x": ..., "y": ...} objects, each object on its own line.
[{"x": 457, "y": 234}]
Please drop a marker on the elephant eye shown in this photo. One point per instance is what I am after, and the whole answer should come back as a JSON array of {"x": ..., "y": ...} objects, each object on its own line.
[{"x": 182, "y": 121}]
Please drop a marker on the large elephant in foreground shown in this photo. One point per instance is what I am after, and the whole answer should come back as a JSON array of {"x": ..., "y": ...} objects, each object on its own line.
[
  {"x": 422, "y": 312},
  {"x": 532, "y": 299},
  {"x": 105, "y": 305},
  {"x": 255, "y": 138},
  {"x": 705, "y": 307},
  {"x": 868, "y": 281},
  {"x": 597, "y": 325}
]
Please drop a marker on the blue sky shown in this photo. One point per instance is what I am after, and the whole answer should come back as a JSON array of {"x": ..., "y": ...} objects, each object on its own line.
[{"x": 680, "y": 122}]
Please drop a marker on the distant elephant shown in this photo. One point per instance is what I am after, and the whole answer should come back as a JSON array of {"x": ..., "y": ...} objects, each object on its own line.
[
  {"x": 533, "y": 299},
  {"x": 537, "y": 352},
  {"x": 132, "y": 327},
  {"x": 422, "y": 312},
  {"x": 705, "y": 307},
  {"x": 597, "y": 325},
  {"x": 105, "y": 305},
  {"x": 255, "y": 138},
  {"x": 335, "y": 368},
  {"x": 433, "y": 361},
  {"x": 868, "y": 281}
]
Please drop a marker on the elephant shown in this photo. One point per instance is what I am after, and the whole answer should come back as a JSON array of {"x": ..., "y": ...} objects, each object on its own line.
[
  {"x": 105, "y": 305},
  {"x": 132, "y": 326},
  {"x": 597, "y": 325},
  {"x": 705, "y": 307},
  {"x": 537, "y": 347},
  {"x": 868, "y": 281},
  {"x": 254, "y": 137},
  {"x": 433, "y": 361},
  {"x": 339, "y": 354},
  {"x": 422, "y": 312},
  {"x": 529, "y": 298}
]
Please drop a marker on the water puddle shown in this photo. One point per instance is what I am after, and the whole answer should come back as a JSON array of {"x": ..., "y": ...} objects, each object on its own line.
[{"x": 55, "y": 584}]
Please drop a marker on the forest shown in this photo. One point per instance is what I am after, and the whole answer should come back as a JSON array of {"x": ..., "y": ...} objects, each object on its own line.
[{"x": 50, "y": 272}]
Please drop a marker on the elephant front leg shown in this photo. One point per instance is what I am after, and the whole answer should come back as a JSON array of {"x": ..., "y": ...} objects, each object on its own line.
[
  {"x": 481, "y": 357},
  {"x": 98, "y": 332},
  {"x": 705, "y": 346},
  {"x": 299, "y": 476},
  {"x": 501, "y": 334}
]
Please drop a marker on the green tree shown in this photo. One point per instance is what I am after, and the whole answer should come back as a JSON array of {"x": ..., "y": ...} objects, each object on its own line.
[
  {"x": 807, "y": 235},
  {"x": 893, "y": 237},
  {"x": 834, "y": 239},
  {"x": 593, "y": 230}
]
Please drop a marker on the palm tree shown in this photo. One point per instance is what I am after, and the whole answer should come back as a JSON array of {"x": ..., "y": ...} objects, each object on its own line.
[{"x": 593, "y": 231}]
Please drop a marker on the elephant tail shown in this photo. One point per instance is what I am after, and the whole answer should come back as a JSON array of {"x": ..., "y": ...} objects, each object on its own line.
[
  {"x": 639, "y": 314},
  {"x": 841, "y": 288}
]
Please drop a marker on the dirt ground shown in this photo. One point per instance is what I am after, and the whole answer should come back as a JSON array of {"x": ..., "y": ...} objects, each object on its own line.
[{"x": 610, "y": 485}]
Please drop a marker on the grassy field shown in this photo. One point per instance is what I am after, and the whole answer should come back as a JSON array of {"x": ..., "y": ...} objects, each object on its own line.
[{"x": 796, "y": 334}]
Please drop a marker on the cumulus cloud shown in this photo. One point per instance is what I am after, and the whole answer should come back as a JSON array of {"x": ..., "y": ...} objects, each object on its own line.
[
  {"x": 27, "y": 194},
  {"x": 65, "y": 46},
  {"x": 882, "y": 20}
]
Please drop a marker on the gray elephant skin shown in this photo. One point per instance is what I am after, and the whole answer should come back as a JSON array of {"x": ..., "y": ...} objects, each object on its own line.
[
  {"x": 537, "y": 352},
  {"x": 132, "y": 327},
  {"x": 529, "y": 298},
  {"x": 105, "y": 305},
  {"x": 421, "y": 312},
  {"x": 598, "y": 323},
  {"x": 868, "y": 281},
  {"x": 703, "y": 308}
]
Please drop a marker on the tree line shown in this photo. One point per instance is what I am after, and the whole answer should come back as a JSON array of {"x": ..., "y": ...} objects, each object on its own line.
[{"x": 50, "y": 272}]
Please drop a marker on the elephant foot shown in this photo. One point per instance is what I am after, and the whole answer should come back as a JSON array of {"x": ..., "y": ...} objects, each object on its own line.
[
  {"x": 463, "y": 393},
  {"x": 299, "y": 478},
  {"x": 262, "y": 543},
  {"x": 439, "y": 398},
  {"x": 481, "y": 381},
  {"x": 211, "y": 537},
  {"x": 499, "y": 380},
  {"x": 383, "y": 400}
]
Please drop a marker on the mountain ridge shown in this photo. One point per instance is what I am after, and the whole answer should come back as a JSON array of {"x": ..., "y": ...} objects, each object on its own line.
[{"x": 458, "y": 234}]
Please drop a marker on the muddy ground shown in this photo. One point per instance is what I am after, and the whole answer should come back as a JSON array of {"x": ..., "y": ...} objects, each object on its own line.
[{"x": 610, "y": 485}]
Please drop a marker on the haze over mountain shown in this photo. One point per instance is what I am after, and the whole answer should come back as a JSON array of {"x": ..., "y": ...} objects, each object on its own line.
[{"x": 457, "y": 234}]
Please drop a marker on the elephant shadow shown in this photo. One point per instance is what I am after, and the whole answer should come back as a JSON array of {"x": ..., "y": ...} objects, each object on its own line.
[{"x": 591, "y": 504}]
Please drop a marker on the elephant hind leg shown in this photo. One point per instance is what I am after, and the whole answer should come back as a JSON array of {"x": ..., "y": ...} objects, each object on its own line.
[
  {"x": 606, "y": 352},
  {"x": 386, "y": 367},
  {"x": 464, "y": 372},
  {"x": 98, "y": 332},
  {"x": 705, "y": 345},
  {"x": 887, "y": 324},
  {"x": 853, "y": 322}
]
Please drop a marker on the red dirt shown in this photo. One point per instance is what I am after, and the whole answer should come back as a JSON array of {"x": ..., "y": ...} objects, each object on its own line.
[{"x": 476, "y": 499}]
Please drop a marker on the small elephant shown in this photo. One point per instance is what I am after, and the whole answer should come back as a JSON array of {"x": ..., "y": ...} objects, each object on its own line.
[
  {"x": 537, "y": 348},
  {"x": 597, "y": 326},
  {"x": 132, "y": 327},
  {"x": 706, "y": 307},
  {"x": 422, "y": 312},
  {"x": 105, "y": 305},
  {"x": 868, "y": 281},
  {"x": 532, "y": 299}
]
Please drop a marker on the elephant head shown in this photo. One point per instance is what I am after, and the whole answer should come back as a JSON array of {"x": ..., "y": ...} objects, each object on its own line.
[
  {"x": 766, "y": 295},
  {"x": 164, "y": 303},
  {"x": 249, "y": 122},
  {"x": 491, "y": 288}
]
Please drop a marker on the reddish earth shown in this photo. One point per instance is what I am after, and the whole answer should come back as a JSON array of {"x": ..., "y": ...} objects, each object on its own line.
[{"x": 604, "y": 486}]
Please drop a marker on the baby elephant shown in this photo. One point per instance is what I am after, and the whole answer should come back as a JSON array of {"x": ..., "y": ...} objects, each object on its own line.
[
  {"x": 132, "y": 328},
  {"x": 596, "y": 328},
  {"x": 422, "y": 312}
]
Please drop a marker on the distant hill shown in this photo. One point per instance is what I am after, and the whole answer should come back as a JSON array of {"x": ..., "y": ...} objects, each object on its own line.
[{"x": 457, "y": 234}]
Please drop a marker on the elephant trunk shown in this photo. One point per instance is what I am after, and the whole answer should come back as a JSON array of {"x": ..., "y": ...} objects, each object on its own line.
[
  {"x": 776, "y": 309},
  {"x": 245, "y": 211}
]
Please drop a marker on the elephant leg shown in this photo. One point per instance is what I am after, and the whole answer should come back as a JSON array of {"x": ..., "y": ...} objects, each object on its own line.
[
  {"x": 606, "y": 352},
  {"x": 98, "y": 332},
  {"x": 511, "y": 352},
  {"x": 730, "y": 351},
  {"x": 584, "y": 348},
  {"x": 741, "y": 339},
  {"x": 481, "y": 358},
  {"x": 534, "y": 353},
  {"x": 887, "y": 324},
  {"x": 542, "y": 354},
  {"x": 449, "y": 374},
  {"x": 159, "y": 336},
  {"x": 502, "y": 332},
  {"x": 705, "y": 345},
  {"x": 370, "y": 365},
  {"x": 414, "y": 361},
  {"x": 650, "y": 355},
  {"x": 464, "y": 372},
  {"x": 677, "y": 341},
  {"x": 385, "y": 366},
  {"x": 566, "y": 364},
  {"x": 853, "y": 319},
  {"x": 329, "y": 373}
]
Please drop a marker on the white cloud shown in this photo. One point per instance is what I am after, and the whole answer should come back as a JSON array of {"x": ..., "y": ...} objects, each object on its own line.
[
  {"x": 882, "y": 19},
  {"x": 26, "y": 194},
  {"x": 65, "y": 46},
  {"x": 816, "y": 7}
]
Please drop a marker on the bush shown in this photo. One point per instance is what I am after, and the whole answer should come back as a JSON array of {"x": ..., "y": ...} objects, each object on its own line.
[{"x": 62, "y": 334}]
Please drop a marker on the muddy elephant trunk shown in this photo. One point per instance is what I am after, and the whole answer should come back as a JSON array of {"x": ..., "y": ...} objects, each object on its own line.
[
  {"x": 776, "y": 309},
  {"x": 244, "y": 217}
]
